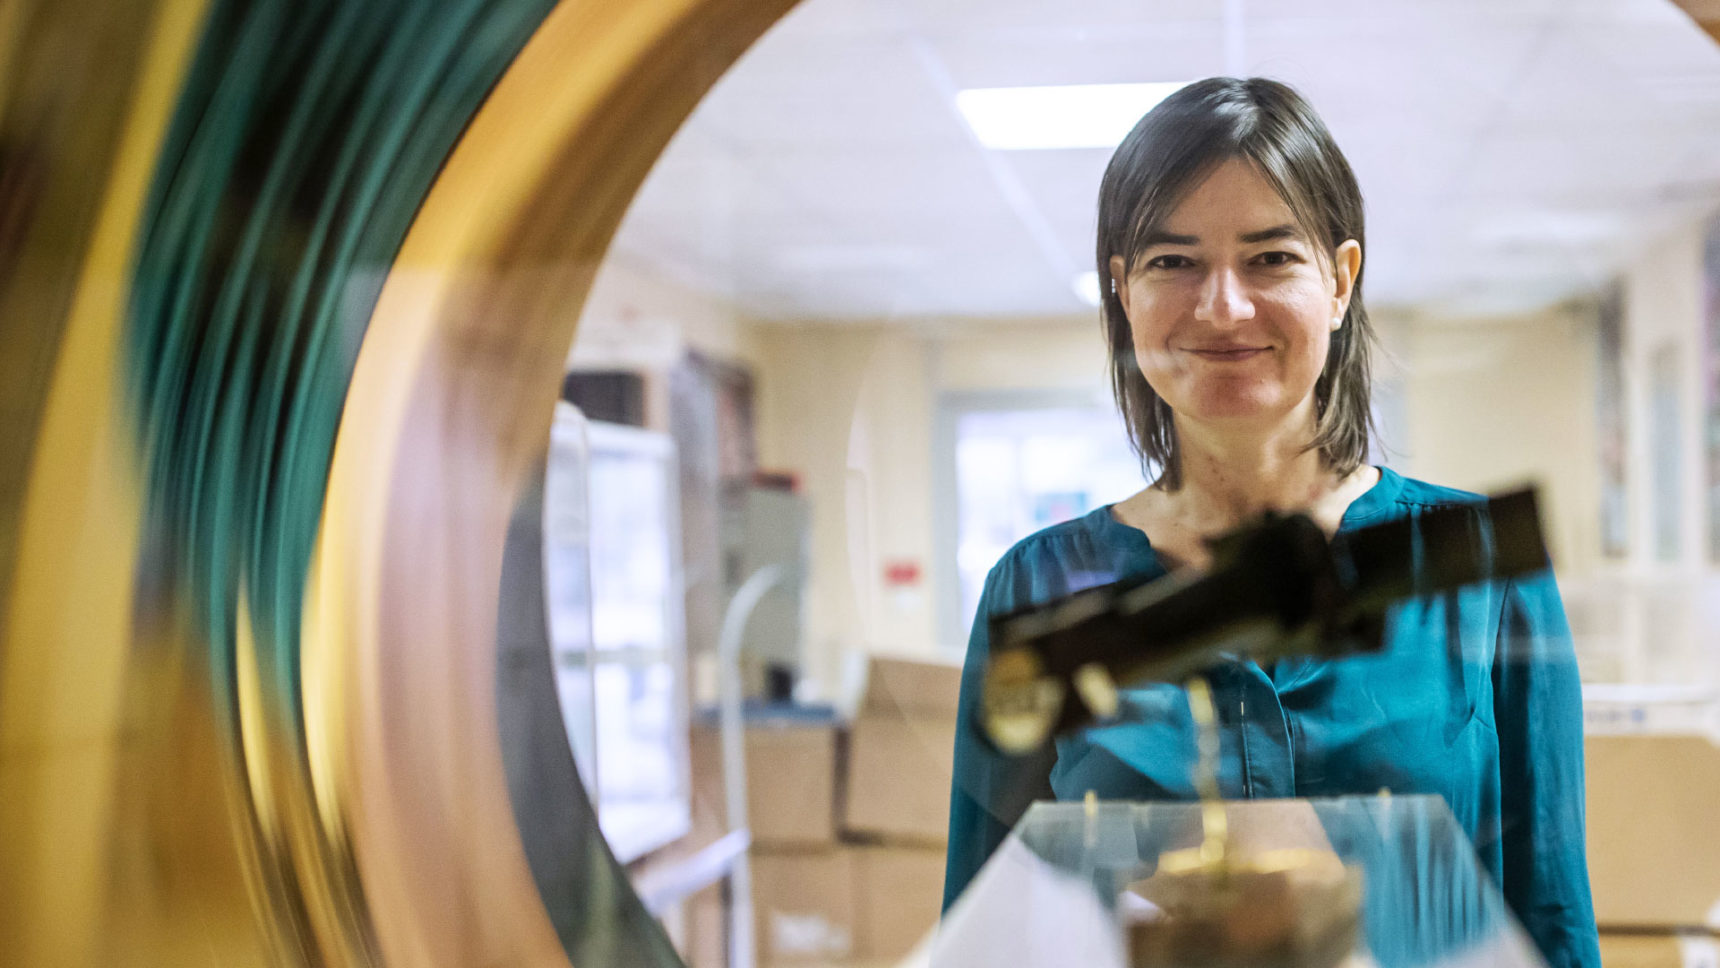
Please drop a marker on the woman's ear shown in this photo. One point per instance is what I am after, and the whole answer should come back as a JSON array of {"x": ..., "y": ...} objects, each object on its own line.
[
  {"x": 1346, "y": 267},
  {"x": 1120, "y": 281}
]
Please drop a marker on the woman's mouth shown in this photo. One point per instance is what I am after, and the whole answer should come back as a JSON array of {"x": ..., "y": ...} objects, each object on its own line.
[{"x": 1228, "y": 354}]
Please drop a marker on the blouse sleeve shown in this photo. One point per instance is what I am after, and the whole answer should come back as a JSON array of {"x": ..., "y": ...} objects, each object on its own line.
[
  {"x": 1538, "y": 707},
  {"x": 990, "y": 790}
]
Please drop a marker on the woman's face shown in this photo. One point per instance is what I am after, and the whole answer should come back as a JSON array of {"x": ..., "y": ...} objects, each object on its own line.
[{"x": 1232, "y": 306}]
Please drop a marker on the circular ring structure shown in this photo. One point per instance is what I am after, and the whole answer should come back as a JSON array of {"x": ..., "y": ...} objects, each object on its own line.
[{"x": 287, "y": 288}]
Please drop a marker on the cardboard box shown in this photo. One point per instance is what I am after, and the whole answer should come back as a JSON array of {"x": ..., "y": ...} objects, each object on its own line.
[
  {"x": 804, "y": 904},
  {"x": 792, "y": 767},
  {"x": 706, "y": 941},
  {"x": 901, "y": 752},
  {"x": 1653, "y": 847},
  {"x": 1659, "y": 950},
  {"x": 898, "y": 785},
  {"x": 911, "y": 687},
  {"x": 901, "y": 893}
]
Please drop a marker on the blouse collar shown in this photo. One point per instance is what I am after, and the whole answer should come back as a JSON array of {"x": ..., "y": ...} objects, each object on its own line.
[{"x": 1376, "y": 502}]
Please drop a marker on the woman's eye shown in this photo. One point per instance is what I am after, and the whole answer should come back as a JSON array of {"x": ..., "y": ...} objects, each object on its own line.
[
  {"x": 1170, "y": 262},
  {"x": 1276, "y": 258}
]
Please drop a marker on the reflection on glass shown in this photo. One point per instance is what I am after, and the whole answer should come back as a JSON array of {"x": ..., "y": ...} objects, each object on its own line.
[{"x": 1073, "y": 878}]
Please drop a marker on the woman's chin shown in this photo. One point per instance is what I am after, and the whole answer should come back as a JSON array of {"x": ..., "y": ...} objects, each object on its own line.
[{"x": 1238, "y": 411}]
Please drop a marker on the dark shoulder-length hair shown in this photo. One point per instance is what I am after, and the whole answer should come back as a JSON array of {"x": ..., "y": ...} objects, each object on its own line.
[{"x": 1170, "y": 151}]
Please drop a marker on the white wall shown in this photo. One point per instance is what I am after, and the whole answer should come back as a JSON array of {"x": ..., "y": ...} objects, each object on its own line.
[
  {"x": 1490, "y": 401},
  {"x": 852, "y": 408},
  {"x": 637, "y": 317},
  {"x": 1494, "y": 402},
  {"x": 1048, "y": 354},
  {"x": 892, "y": 461},
  {"x": 1663, "y": 309},
  {"x": 809, "y": 380},
  {"x": 1665, "y": 618}
]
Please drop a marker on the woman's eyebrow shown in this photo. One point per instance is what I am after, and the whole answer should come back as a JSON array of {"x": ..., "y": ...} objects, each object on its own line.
[
  {"x": 1285, "y": 231},
  {"x": 1166, "y": 238}
]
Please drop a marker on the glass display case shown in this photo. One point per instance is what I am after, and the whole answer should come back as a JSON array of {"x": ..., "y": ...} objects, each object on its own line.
[{"x": 1388, "y": 880}]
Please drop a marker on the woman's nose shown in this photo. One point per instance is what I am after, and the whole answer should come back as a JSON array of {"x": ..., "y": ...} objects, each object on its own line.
[{"x": 1224, "y": 299}]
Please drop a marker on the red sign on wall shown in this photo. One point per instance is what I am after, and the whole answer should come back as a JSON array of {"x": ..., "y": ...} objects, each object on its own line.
[{"x": 901, "y": 572}]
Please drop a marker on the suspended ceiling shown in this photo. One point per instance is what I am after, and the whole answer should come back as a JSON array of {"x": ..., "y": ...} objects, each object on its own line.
[{"x": 1513, "y": 153}]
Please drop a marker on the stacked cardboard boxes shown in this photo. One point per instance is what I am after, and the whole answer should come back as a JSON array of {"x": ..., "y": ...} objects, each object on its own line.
[
  {"x": 901, "y": 751},
  {"x": 1659, "y": 950},
  {"x": 848, "y": 824},
  {"x": 784, "y": 750},
  {"x": 806, "y": 909},
  {"x": 896, "y": 800},
  {"x": 900, "y": 892},
  {"x": 1654, "y": 847},
  {"x": 803, "y": 877}
]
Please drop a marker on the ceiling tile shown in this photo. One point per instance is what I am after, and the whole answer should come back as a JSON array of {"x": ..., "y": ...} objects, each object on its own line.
[
  {"x": 827, "y": 175},
  {"x": 1082, "y": 54}
]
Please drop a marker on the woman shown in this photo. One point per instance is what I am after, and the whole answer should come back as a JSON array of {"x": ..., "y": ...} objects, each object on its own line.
[{"x": 1230, "y": 254}]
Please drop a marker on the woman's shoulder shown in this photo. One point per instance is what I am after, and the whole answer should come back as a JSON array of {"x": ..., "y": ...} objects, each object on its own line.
[
  {"x": 1093, "y": 549},
  {"x": 1059, "y": 542},
  {"x": 1394, "y": 495},
  {"x": 1413, "y": 492},
  {"x": 1410, "y": 498}
]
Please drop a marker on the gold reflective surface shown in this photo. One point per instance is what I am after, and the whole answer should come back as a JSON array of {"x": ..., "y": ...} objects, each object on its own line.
[{"x": 367, "y": 822}]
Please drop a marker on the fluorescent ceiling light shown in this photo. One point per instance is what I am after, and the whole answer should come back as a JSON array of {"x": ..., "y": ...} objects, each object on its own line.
[
  {"x": 1071, "y": 116},
  {"x": 1086, "y": 286}
]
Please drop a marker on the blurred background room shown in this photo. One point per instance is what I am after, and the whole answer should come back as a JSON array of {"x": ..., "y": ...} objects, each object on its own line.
[{"x": 843, "y": 351}]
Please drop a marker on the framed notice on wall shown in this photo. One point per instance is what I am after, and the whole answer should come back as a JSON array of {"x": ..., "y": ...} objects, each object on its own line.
[
  {"x": 1611, "y": 421},
  {"x": 1711, "y": 384},
  {"x": 1666, "y": 464}
]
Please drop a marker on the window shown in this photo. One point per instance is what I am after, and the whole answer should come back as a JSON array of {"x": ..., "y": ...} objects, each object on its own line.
[{"x": 1023, "y": 462}]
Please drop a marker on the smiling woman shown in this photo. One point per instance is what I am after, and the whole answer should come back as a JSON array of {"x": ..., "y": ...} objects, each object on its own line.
[
  {"x": 1230, "y": 253},
  {"x": 1195, "y": 154},
  {"x": 1236, "y": 326}
]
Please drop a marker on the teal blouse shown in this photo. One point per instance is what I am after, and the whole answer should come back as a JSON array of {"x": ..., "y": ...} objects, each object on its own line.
[{"x": 1474, "y": 698}]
